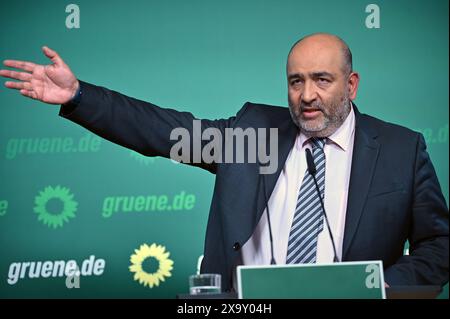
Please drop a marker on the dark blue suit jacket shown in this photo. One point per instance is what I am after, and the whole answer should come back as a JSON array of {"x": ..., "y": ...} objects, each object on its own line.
[{"x": 394, "y": 194}]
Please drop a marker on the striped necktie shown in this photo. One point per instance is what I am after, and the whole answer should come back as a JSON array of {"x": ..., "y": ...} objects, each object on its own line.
[{"x": 308, "y": 218}]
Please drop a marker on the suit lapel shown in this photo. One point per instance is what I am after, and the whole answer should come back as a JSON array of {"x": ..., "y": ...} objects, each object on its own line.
[
  {"x": 364, "y": 158},
  {"x": 287, "y": 133},
  {"x": 253, "y": 199}
]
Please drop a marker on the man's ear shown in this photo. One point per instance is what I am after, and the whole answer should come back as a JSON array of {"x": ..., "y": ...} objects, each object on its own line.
[{"x": 353, "y": 82}]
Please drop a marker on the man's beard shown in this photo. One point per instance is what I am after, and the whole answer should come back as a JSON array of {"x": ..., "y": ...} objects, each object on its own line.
[{"x": 334, "y": 114}]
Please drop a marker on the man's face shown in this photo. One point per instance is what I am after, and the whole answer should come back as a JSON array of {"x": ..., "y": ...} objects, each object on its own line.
[{"x": 318, "y": 89}]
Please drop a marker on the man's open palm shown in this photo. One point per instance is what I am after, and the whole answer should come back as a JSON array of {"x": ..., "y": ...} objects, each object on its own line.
[{"x": 53, "y": 84}]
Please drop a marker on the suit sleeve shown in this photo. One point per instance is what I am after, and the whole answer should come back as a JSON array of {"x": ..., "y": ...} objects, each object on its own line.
[
  {"x": 137, "y": 125},
  {"x": 428, "y": 259}
]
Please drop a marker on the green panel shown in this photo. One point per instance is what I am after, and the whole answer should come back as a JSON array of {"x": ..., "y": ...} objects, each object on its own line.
[{"x": 338, "y": 281}]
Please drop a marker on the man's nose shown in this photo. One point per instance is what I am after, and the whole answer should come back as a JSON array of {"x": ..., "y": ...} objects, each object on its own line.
[{"x": 309, "y": 93}]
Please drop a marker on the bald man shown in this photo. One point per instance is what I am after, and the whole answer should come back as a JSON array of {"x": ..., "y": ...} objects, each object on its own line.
[{"x": 374, "y": 180}]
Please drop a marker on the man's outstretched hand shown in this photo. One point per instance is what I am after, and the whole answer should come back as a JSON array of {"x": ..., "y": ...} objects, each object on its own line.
[{"x": 54, "y": 83}]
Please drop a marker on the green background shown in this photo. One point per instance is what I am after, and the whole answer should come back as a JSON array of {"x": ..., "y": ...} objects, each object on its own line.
[{"x": 207, "y": 57}]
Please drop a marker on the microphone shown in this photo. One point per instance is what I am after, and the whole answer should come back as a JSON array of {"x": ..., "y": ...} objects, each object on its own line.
[
  {"x": 313, "y": 170},
  {"x": 272, "y": 258}
]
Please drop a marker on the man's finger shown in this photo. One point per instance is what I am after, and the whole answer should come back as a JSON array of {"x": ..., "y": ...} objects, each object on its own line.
[
  {"x": 18, "y": 85},
  {"x": 52, "y": 55},
  {"x": 28, "y": 93},
  {"x": 24, "y": 65},
  {"x": 23, "y": 76}
]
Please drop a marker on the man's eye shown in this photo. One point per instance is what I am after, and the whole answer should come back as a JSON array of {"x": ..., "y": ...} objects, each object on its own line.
[
  {"x": 295, "y": 82},
  {"x": 324, "y": 80}
]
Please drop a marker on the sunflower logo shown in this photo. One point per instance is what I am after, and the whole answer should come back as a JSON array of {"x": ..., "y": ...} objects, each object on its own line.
[
  {"x": 151, "y": 253},
  {"x": 50, "y": 219},
  {"x": 144, "y": 160}
]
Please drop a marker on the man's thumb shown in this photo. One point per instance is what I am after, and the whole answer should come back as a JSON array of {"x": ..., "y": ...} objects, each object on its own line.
[{"x": 52, "y": 55}]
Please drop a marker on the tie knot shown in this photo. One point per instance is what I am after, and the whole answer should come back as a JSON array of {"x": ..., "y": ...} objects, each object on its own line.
[{"x": 318, "y": 142}]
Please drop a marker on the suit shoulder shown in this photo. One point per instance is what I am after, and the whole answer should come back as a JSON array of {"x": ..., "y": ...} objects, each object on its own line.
[
  {"x": 261, "y": 111},
  {"x": 267, "y": 107},
  {"x": 389, "y": 130}
]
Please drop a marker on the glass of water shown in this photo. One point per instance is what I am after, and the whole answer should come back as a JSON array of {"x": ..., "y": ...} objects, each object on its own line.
[{"x": 204, "y": 284}]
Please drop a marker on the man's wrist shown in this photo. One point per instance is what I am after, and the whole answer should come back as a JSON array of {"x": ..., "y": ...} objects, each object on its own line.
[{"x": 76, "y": 98}]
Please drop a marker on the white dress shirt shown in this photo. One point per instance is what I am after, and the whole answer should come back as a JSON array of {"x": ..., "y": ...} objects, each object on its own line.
[{"x": 282, "y": 203}]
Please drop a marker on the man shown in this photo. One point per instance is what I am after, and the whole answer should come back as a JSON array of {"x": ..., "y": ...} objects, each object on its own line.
[{"x": 377, "y": 183}]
